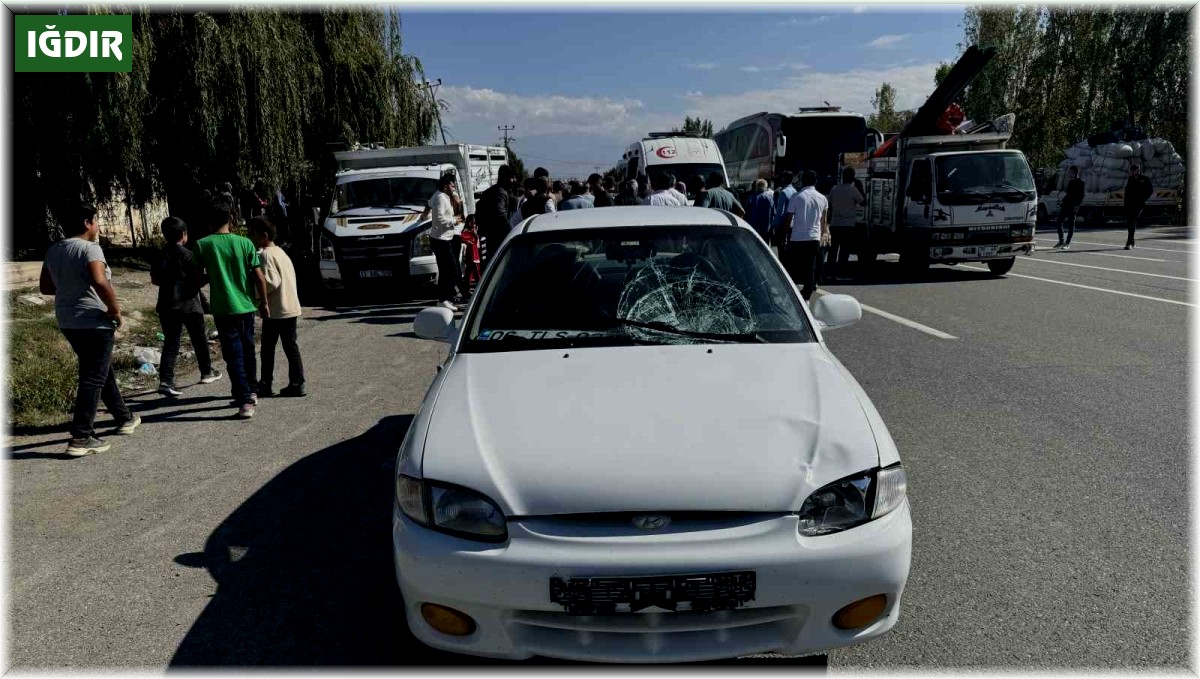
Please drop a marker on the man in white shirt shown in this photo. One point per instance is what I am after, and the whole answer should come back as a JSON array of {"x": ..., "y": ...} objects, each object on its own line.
[
  {"x": 807, "y": 218},
  {"x": 443, "y": 240},
  {"x": 844, "y": 200},
  {"x": 663, "y": 193}
]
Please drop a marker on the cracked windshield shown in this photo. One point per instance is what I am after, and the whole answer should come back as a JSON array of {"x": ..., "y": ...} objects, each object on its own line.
[{"x": 678, "y": 285}]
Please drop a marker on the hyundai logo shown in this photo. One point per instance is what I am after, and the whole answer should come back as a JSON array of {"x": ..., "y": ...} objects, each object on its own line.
[{"x": 651, "y": 521}]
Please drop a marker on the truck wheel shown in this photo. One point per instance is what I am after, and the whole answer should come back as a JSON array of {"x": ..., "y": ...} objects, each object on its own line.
[
  {"x": 914, "y": 264},
  {"x": 1001, "y": 266},
  {"x": 1043, "y": 216}
]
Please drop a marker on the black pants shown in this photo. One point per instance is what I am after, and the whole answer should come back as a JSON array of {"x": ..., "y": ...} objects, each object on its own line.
[
  {"x": 449, "y": 270},
  {"x": 96, "y": 380},
  {"x": 800, "y": 260},
  {"x": 1069, "y": 213},
  {"x": 1133, "y": 214},
  {"x": 839, "y": 249},
  {"x": 173, "y": 324},
  {"x": 280, "y": 329},
  {"x": 237, "y": 345}
]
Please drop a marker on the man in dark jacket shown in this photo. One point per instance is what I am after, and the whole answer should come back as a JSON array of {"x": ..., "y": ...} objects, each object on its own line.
[
  {"x": 1070, "y": 209},
  {"x": 1137, "y": 191},
  {"x": 493, "y": 211},
  {"x": 179, "y": 306}
]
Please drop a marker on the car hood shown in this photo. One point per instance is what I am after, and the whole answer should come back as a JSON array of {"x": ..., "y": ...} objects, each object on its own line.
[{"x": 672, "y": 428}]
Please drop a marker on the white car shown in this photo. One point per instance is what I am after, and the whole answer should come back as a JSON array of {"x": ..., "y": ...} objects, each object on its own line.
[{"x": 639, "y": 449}]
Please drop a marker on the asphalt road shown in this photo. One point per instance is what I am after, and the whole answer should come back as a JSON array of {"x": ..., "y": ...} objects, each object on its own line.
[{"x": 1046, "y": 445}]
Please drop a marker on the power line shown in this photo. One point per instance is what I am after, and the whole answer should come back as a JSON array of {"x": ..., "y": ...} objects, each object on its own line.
[
  {"x": 559, "y": 160},
  {"x": 506, "y": 129},
  {"x": 432, "y": 87}
]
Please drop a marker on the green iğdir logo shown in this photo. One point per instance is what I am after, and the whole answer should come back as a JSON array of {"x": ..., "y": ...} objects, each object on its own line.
[{"x": 74, "y": 43}]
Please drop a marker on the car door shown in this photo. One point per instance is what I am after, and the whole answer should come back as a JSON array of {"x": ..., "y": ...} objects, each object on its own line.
[{"x": 918, "y": 195}]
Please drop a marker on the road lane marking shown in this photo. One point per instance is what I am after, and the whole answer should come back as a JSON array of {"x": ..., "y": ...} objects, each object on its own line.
[
  {"x": 1105, "y": 268},
  {"x": 899, "y": 319},
  {"x": 1144, "y": 259},
  {"x": 1086, "y": 287},
  {"x": 1117, "y": 246}
]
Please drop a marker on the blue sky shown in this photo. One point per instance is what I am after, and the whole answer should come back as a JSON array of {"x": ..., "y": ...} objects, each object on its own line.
[{"x": 581, "y": 86}]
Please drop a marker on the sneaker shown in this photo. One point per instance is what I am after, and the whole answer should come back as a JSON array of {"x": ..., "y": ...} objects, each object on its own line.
[
  {"x": 129, "y": 426},
  {"x": 265, "y": 391},
  {"x": 253, "y": 401},
  {"x": 1058, "y": 247},
  {"x": 211, "y": 377},
  {"x": 293, "y": 391},
  {"x": 168, "y": 390},
  {"x": 246, "y": 411},
  {"x": 1066, "y": 247},
  {"x": 449, "y": 305},
  {"x": 1129, "y": 246},
  {"x": 87, "y": 446}
]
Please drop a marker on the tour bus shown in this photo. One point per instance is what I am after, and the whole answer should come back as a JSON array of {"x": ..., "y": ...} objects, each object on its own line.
[
  {"x": 763, "y": 145},
  {"x": 682, "y": 156}
]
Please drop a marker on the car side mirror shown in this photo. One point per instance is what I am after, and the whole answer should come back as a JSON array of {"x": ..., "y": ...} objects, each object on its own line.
[
  {"x": 836, "y": 311},
  {"x": 434, "y": 323}
]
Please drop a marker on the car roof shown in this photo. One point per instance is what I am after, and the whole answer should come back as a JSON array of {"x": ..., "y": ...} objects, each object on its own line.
[{"x": 633, "y": 215}]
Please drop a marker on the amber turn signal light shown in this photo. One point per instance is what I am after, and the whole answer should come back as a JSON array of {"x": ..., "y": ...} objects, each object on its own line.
[
  {"x": 860, "y": 613},
  {"x": 447, "y": 620}
]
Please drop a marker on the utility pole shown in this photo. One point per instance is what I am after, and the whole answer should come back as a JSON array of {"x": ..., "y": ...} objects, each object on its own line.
[
  {"x": 432, "y": 87},
  {"x": 506, "y": 129}
]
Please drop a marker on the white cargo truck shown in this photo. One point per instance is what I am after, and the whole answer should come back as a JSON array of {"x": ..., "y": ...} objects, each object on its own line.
[
  {"x": 1104, "y": 170},
  {"x": 373, "y": 234}
]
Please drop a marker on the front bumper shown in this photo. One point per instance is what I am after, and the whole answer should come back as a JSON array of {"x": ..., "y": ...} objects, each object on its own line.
[
  {"x": 977, "y": 253},
  {"x": 801, "y": 583}
]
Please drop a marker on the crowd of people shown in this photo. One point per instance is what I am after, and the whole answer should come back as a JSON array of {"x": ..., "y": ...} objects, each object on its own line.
[
  {"x": 244, "y": 277},
  {"x": 804, "y": 227}
]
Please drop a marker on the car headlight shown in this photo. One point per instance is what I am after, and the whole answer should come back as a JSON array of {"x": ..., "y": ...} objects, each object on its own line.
[
  {"x": 852, "y": 501},
  {"x": 451, "y": 509},
  {"x": 327, "y": 254}
]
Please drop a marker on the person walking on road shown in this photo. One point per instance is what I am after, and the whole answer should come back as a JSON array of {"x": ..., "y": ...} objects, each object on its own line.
[
  {"x": 679, "y": 189},
  {"x": 629, "y": 194},
  {"x": 844, "y": 200},
  {"x": 179, "y": 306},
  {"x": 234, "y": 272},
  {"x": 808, "y": 217},
  {"x": 443, "y": 240},
  {"x": 1070, "y": 209},
  {"x": 760, "y": 209},
  {"x": 539, "y": 200},
  {"x": 601, "y": 197},
  {"x": 88, "y": 315},
  {"x": 492, "y": 211},
  {"x": 783, "y": 197},
  {"x": 1137, "y": 191},
  {"x": 664, "y": 194},
  {"x": 281, "y": 314},
  {"x": 718, "y": 197},
  {"x": 578, "y": 199}
]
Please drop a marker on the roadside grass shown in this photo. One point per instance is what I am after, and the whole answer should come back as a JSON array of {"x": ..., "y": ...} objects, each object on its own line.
[{"x": 41, "y": 373}]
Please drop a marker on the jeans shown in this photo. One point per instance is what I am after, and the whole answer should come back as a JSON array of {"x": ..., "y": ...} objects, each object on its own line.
[
  {"x": 280, "y": 329},
  {"x": 96, "y": 380},
  {"x": 237, "y": 345},
  {"x": 1069, "y": 213},
  {"x": 800, "y": 260},
  {"x": 1133, "y": 213},
  {"x": 449, "y": 272},
  {"x": 173, "y": 323}
]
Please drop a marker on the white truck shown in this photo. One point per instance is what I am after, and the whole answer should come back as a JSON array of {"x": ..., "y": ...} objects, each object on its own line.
[
  {"x": 682, "y": 156},
  {"x": 947, "y": 198},
  {"x": 373, "y": 233}
]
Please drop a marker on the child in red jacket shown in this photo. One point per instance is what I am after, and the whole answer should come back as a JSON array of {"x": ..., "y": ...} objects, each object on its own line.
[{"x": 470, "y": 238}]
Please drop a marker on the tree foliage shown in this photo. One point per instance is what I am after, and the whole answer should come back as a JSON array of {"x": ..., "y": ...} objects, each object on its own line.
[
  {"x": 696, "y": 126},
  {"x": 886, "y": 118},
  {"x": 1069, "y": 72},
  {"x": 212, "y": 97}
]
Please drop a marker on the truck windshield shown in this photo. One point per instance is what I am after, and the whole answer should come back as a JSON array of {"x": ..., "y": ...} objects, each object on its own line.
[
  {"x": 816, "y": 142},
  {"x": 685, "y": 171},
  {"x": 983, "y": 177},
  {"x": 384, "y": 192}
]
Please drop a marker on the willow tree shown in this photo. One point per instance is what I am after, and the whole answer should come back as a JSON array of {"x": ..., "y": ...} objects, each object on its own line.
[{"x": 212, "y": 97}]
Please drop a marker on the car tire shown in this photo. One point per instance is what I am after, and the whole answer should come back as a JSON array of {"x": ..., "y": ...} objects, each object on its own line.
[{"x": 1000, "y": 267}]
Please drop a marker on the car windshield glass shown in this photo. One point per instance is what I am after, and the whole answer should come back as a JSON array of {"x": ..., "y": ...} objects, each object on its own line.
[
  {"x": 385, "y": 192},
  {"x": 984, "y": 177},
  {"x": 641, "y": 285},
  {"x": 685, "y": 171}
]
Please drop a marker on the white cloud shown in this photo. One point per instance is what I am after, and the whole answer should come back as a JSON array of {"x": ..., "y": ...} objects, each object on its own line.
[
  {"x": 471, "y": 108},
  {"x": 795, "y": 67},
  {"x": 885, "y": 41},
  {"x": 692, "y": 94},
  {"x": 860, "y": 9},
  {"x": 703, "y": 66},
  {"x": 751, "y": 69},
  {"x": 808, "y": 20}
]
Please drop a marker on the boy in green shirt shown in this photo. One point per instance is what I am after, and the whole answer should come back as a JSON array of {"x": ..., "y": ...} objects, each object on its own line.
[{"x": 232, "y": 264}]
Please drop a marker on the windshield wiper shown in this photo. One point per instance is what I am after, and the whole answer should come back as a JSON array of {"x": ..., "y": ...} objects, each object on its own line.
[{"x": 659, "y": 326}]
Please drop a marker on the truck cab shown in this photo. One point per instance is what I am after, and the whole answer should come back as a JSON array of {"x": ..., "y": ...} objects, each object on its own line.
[{"x": 375, "y": 231}]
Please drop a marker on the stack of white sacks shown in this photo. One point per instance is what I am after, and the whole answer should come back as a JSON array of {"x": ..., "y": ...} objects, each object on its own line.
[{"x": 1105, "y": 168}]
